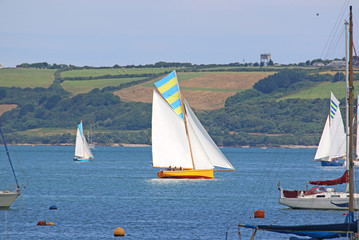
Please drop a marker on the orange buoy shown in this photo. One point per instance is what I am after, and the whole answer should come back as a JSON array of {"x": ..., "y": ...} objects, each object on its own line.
[
  {"x": 259, "y": 214},
  {"x": 41, "y": 223},
  {"x": 50, "y": 223},
  {"x": 119, "y": 232}
]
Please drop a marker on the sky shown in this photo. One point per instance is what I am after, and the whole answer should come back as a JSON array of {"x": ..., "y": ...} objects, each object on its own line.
[{"x": 137, "y": 32}]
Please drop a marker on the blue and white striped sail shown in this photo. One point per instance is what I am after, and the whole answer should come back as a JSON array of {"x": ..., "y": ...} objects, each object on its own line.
[
  {"x": 168, "y": 87},
  {"x": 332, "y": 143}
]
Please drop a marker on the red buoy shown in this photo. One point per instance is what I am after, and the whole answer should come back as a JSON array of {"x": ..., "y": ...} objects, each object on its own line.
[
  {"x": 259, "y": 214},
  {"x": 41, "y": 223}
]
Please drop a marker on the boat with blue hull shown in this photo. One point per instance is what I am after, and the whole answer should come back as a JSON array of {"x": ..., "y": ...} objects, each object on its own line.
[
  {"x": 331, "y": 150},
  {"x": 335, "y": 163}
]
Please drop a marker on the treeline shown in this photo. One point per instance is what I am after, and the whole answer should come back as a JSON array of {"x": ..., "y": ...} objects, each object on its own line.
[
  {"x": 103, "y": 109},
  {"x": 254, "y": 117},
  {"x": 289, "y": 78},
  {"x": 43, "y": 65}
]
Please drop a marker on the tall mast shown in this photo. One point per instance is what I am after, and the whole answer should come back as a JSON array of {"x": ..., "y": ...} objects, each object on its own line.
[{"x": 351, "y": 103}]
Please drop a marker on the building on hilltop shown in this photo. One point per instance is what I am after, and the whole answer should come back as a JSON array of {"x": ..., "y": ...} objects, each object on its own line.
[
  {"x": 318, "y": 64},
  {"x": 265, "y": 58},
  {"x": 336, "y": 63}
]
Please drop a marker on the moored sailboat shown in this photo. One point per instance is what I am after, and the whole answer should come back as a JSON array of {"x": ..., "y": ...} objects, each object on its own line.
[
  {"x": 320, "y": 197},
  {"x": 349, "y": 228},
  {"x": 8, "y": 197},
  {"x": 180, "y": 143},
  {"x": 82, "y": 149}
]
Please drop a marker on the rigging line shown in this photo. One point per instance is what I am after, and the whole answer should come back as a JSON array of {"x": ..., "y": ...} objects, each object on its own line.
[
  {"x": 334, "y": 51},
  {"x": 335, "y": 42},
  {"x": 16, "y": 157},
  {"x": 333, "y": 32},
  {"x": 8, "y": 154}
]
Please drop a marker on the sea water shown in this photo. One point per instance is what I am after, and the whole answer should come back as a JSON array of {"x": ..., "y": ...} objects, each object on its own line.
[{"x": 119, "y": 188}]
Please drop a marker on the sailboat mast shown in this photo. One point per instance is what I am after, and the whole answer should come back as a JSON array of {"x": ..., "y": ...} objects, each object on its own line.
[
  {"x": 346, "y": 98},
  {"x": 351, "y": 103},
  {"x": 185, "y": 122}
]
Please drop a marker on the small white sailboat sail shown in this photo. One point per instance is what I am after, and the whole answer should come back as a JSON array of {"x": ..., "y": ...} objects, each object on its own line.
[
  {"x": 82, "y": 149},
  {"x": 179, "y": 141},
  {"x": 8, "y": 197},
  {"x": 332, "y": 144}
]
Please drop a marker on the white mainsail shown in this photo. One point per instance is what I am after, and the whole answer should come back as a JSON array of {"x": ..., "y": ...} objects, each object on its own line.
[
  {"x": 332, "y": 142},
  {"x": 82, "y": 149},
  {"x": 169, "y": 141}
]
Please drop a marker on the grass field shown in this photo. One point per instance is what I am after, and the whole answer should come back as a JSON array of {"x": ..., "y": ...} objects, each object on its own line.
[
  {"x": 6, "y": 107},
  {"x": 84, "y": 86},
  {"x": 113, "y": 71},
  {"x": 203, "y": 91},
  {"x": 323, "y": 91},
  {"x": 26, "y": 78}
]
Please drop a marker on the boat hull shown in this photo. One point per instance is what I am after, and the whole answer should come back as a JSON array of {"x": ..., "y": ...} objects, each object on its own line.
[
  {"x": 321, "y": 201},
  {"x": 82, "y": 159},
  {"x": 187, "y": 174},
  {"x": 335, "y": 163},
  {"x": 7, "y": 198}
]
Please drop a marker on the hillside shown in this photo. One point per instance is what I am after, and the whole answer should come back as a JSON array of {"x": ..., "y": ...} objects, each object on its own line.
[
  {"x": 202, "y": 90},
  {"x": 238, "y": 105}
]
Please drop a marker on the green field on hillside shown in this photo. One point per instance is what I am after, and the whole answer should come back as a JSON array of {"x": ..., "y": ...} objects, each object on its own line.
[
  {"x": 84, "y": 86},
  {"x": 26, "y": 78},
  {"x": 323, "y": 91},
  {"x": 113, "y": 71}
]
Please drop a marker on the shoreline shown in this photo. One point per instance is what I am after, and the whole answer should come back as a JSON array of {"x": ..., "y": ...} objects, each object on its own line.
[{"x": 147, "y": 145}]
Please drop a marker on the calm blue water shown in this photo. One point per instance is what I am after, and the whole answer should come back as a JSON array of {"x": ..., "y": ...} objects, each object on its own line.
[{"x": 121, "y": 189}]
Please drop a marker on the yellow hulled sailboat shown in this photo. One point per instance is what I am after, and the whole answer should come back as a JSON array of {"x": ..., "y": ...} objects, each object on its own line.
[{"x": 180, "y": 144}]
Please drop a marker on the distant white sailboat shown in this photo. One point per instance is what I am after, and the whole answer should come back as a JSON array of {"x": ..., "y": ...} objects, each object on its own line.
[
  {"x": 332, "y": 145},
  {"x": 82, "y": 149}
]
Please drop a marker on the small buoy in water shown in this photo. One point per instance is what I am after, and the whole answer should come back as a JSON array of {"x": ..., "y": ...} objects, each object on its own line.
[
  {"x": 259, "y": 214},
  {"x": 53, "y": 207},
  {"x": 51, "y": 224},
  {"x": 119, "y": 232},
  {"x": 41, "y": 223}
]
